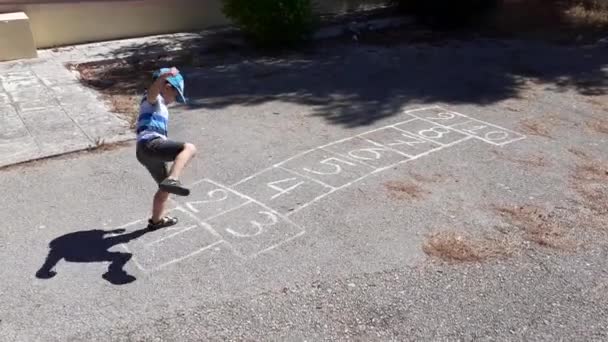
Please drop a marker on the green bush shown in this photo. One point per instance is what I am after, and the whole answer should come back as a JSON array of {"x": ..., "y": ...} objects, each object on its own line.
[
  {"x": 272, "y": 23},
  {"x": 448, "y": 13}
]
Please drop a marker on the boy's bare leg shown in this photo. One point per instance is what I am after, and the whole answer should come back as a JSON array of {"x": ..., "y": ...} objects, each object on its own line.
[
  {"x": 159, "y": 205},
  {"x": 182, "y": 160}
]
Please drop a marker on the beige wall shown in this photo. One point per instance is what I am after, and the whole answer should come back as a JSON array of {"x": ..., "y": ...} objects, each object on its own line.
[
  {"x": 64, "y": 22},
  {"x": 16, "y": 39}
]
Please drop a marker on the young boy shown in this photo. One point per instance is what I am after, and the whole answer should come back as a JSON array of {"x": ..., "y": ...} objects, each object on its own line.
[{"x": 155, "y": 150}]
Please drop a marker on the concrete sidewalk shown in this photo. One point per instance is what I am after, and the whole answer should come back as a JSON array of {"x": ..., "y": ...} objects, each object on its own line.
[{"x": 45, "y": 111}]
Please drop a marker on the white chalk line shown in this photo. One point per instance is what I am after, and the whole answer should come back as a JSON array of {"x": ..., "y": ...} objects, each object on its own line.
[
  {"x": 202, "y": 223},
  {"x": 156, "y": 242},
  {"x": 508, "y": 141},
  {"x": 425, "y": 154},
  {"x": 253, "y": 256},
  {"x": 348, "y": 157},
  {"x": 511, "y": 141},
  {"x": 256, "y": 202},
  {"x": 418, "y": 135},
  {"x": 314, "y": 200},
  {"x": 320, "y": 147},
  {"x": 126, "y": 249},
  {"x": 281, "y": 191},
  {"x": 318, "y": 198},
  {"x": 325, "y": 185},
  {"x": 420, "y": 155},
  {"x": 470, "y": 119},
  {"x": 253, "y": 176},
  {"x": 221, "y": 213},
  {"x": 332, "y": 189},
  {"x": 413, "y": 136},
  {"x": 422, "y": 109},
  {"x": 296, "y": 156},
  {"x": 180, "y": 208},
  {"x": 460, "y": 123},
  {"x": 443, "y": 110},
  {"x": 387, "y": 147},
  {"x": 378, "y": 170},
  {"x": 276, "y": 213},
  {"x": 366, "y": 132},
  {"x": 285, "y": 217},
  {"x": 133, "y": 258},
  {"x": 440, "y": 146},
  {"x": 187, "y": 256}
]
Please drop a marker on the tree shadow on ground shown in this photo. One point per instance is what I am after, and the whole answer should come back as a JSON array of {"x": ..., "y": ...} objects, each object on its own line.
[
  {"x": 92, "y": 246},
  {"x": 355, "y": 85},
  {"x": 358, "y": 83}
]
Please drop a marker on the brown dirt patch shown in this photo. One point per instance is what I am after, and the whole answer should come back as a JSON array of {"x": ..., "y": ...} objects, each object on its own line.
[
  {"x": 599, "y": 126},
  {"x": 534, "y": 127},
  {"x": 452, "y": 246},
  {"x": 590, "y": 181},
  {"x": 592, "y": 13},
  {"x": 562, "y": 21},
  {"x": 554, "y": 20},
  {"x": 435, "y": 178},
  {"x": 592, "y": 171},
  {"x": 578, "y": 153},
  {"x": 538, "y": 226},
  {"x": 119, "y": 82},
  {"x": 123, "y": 81},
  {"x": 405, "y": 190},
  {"x": 595, "y": 197},
  {"x": 598, "y": 101},
  {"x": 532, "y": 161},
  {"x": 127, "y": 105}
]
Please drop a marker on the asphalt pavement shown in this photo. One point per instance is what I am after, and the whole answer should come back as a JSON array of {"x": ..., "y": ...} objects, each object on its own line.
[{"x": 318, "y": 177}]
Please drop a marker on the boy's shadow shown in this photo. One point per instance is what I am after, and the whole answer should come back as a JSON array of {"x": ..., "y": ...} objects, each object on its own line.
[{"x": 92, "y": 246}]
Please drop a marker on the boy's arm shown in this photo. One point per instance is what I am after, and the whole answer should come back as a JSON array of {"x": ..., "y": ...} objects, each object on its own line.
[{"x": 155, "y": 88}]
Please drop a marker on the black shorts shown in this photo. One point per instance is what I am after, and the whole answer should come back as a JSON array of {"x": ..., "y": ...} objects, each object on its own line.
[{"x": 156, "y": 154}]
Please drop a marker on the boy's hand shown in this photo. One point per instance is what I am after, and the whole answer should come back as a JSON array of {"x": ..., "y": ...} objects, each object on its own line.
[
  {"x": 154, "y": 89},
  {"x": 170, "y": 73}
]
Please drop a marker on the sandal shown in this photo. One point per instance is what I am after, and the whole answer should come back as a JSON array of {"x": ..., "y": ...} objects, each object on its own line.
[
  {"x": 166, "y": 221},
  {"x": 174, "y": 186}
]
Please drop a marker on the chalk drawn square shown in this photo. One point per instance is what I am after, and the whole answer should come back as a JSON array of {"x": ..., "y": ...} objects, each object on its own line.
[
  {"x": 441, "y": 116},
  {"x": 401, "y": 141},
  {"x": 427, "y": 130},
  {"x": 207, "y": 200},
  {"x": 488, "y": 133},
  {"x": 367, "y": 152},
  {"x": 327, "y": 168},
  {"x": 281, "y": 190},
  {"x": 166, "y": 246},
  {"x": 253, "y": 229}
]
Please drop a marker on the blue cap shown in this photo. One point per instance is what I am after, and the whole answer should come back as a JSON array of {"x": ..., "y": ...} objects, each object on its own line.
[{"x": 176, "y": 81}]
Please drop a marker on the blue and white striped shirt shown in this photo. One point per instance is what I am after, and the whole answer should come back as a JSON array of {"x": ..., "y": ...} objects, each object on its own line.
[{"x": 153, "y": 119}]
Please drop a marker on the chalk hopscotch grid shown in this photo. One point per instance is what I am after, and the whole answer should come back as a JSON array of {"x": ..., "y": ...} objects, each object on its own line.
[
  {"x": 442, "y": 116},
  {"x": 469, "y": 120}
]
